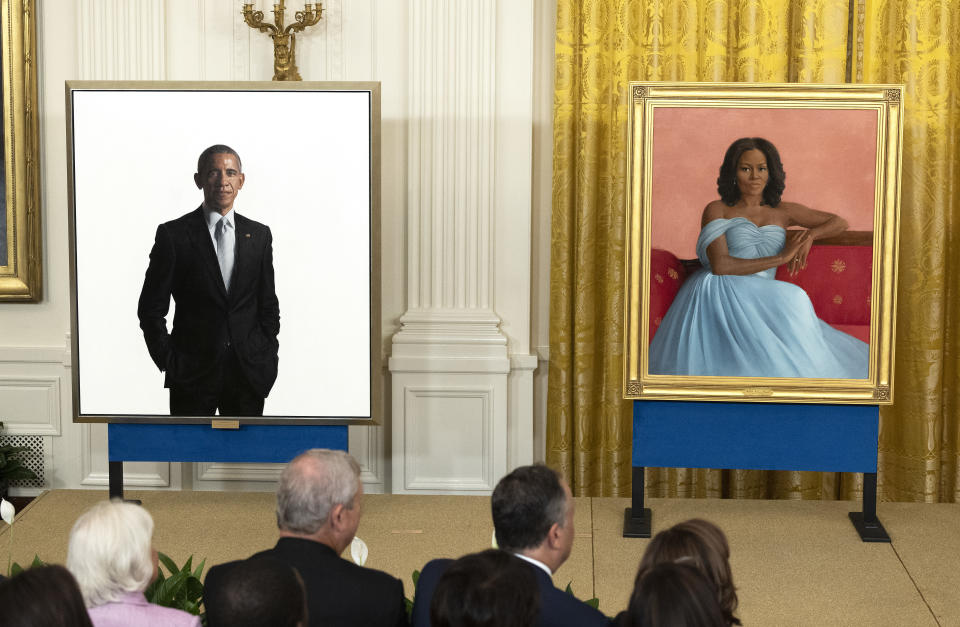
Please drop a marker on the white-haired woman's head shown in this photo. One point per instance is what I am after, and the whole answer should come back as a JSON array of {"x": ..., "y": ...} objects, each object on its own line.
[{"x": 111, "y": 551}]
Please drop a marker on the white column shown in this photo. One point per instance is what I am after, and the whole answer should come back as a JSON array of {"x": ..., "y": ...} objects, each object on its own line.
[
  {"x": 119, "y": 40},
  {"x": 468, "y": 249}
]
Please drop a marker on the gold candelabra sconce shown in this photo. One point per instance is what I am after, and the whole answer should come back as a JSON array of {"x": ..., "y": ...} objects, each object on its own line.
[{"x": 284, "y": 37}]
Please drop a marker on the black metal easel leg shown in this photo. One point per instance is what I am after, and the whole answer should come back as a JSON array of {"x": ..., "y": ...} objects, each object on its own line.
[
  {"x": 866, "y": 522},
  {"x": 115, "y": 473},
  {"x": 115, "y": 470},
  {"x": 637, "y": 525}
]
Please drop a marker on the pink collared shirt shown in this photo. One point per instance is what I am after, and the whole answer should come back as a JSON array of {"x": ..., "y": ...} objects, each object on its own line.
[{"x": 133, "y": 610}]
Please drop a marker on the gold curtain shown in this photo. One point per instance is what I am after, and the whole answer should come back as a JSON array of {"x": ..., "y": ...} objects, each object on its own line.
[
  {"x": 603, "y": 44},
  {"x": 917, "y": 43}
]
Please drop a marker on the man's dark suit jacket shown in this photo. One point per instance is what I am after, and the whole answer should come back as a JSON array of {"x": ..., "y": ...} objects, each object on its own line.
[
  {"x": 208, "y": 321},
  {"x": 339, "y": 593},
  {"x": 557, "y": 608}
]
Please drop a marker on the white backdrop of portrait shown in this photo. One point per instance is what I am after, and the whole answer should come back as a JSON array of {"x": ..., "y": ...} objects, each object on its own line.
[{"x": 307, "y": 160}]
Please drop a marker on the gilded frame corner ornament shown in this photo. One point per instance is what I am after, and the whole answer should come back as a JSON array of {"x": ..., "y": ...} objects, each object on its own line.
[
  {"x": 784, "y": 99},
  {"x": 21, "y": 268}
]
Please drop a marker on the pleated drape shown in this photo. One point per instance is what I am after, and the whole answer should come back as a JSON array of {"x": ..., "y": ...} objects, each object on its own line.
[
  {"x": 917, "y": 43},
  {"x": 601, "y": 46}
]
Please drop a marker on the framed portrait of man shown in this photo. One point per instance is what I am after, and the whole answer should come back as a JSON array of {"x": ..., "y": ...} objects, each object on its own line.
[
  {"x": 225, "y": 251},
  {"x": 21, "y": 258},
  {"x": 762, "y": 242}
]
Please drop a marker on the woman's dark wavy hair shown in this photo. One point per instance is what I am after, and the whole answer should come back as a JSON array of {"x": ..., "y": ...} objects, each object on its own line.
[
  {"x": 671, "y": 594},
  {"x": 727, "y": 181},
  {"x": 703, "y": 545}
]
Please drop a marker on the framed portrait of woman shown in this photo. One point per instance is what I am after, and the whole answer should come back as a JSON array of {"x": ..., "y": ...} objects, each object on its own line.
[
  {"x": 761, "y": 252},
  {"x": 20, "y": 237}
]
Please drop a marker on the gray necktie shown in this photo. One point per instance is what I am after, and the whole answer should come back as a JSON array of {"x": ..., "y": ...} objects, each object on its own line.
[{"x": 224, "y": 235}]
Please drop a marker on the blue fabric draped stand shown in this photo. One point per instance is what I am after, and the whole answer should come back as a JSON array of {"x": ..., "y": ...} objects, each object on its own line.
[{"x": 203, "y": 443}]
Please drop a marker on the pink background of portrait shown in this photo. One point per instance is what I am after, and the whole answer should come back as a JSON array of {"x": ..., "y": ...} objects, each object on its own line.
[{"x": 829, "y": 156}]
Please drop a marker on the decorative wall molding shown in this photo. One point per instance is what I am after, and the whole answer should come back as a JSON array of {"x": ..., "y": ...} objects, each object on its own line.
[
  {"x": 92, "y": 435},
  {"x": 120, "y": 40},
  {"x": 216, "y": 471},
  {"x": 452, "y": 135},
  {"x": 35, "y": 355},
  {"x": 30, "y": 405},
  {"x": 450, "y": 439},
  {"x": 366, "y": 446},
  {"x": 520, "y": 411},
  {"x": 360, "y": 448},
  {"x": 130, "y": 479},
  {"x": 520, "y": 363}
]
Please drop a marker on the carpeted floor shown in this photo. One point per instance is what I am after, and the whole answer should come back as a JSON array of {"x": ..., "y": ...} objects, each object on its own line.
[{"x": 794, "y": 562}]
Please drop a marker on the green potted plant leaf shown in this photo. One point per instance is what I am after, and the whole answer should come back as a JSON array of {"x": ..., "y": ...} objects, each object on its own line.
[
  {"x": 11, "y": 466},
  {"x": 181, "y": 589}
]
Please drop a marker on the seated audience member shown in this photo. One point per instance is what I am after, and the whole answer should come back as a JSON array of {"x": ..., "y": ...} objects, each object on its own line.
[
  {"x": 705, "y": 546},
  {"x": 532, "y": 511},
  {"x": 45, "y": 596},
  {"x": 318, "y": 511},
  {"x": 673, "y": 595},
  {"x": 262, "y": 592},
  {"x": 111, "y": 555},
  {"x": 488, "y": 589}
]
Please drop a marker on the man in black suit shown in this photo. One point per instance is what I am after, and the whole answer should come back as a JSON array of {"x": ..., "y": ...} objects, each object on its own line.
[
  {"x": 533, "y": 518},
  {"x": 318, "y": 511},
  {"x": 218, "y": 267}
]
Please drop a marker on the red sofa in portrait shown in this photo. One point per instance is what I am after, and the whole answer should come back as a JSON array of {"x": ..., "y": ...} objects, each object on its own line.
[{"x": 837, "y": 279}]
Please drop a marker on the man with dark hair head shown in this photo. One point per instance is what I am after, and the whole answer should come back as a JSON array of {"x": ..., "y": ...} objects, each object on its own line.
[
  {"x": 319, "y": 501},
  {"x": 263, "y": 592},
  {"x": 532, "y": 511},
  {"x": 217, "y": 149},
  {"x": 218, "y": 267}
]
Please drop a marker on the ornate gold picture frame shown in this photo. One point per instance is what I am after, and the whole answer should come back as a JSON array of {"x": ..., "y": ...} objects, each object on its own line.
[
  {"x": 21, "y": 277},
  {"x": 817, "y": 330}
]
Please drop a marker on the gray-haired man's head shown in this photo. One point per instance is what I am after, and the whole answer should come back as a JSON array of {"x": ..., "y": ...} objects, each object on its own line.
[{"x": 311, "y": 487}]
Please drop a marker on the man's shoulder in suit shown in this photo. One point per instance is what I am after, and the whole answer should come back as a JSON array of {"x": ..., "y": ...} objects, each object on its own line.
[
  {"x": 340, "y": 590},
  {"x": 557, "y": 608},
  {"x": 245, "y": 223},
  {"x": 307, "y": 553},
  {"x": 426, "y": 585}
]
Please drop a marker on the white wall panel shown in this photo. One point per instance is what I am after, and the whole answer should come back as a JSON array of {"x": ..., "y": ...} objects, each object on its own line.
[
  {"x": 461, "y": 421},
  {"x": 30, "y": 405}
]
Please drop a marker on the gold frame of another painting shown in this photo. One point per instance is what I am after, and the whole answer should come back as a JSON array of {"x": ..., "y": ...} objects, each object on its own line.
[
  {"x": 770, "y": 102},
  {"x": 21, "y": 268}
]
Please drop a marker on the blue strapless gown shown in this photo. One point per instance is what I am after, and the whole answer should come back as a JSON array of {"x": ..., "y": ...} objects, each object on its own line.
[{"x": 753, "y": 325}]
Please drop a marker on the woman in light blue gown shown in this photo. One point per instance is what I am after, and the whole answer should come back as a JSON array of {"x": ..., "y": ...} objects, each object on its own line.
[{"x": 732, "y": 317}]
